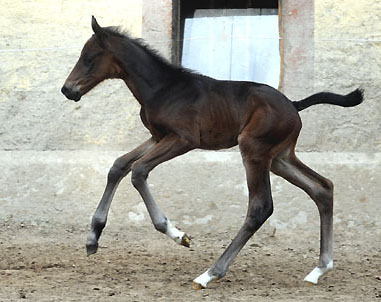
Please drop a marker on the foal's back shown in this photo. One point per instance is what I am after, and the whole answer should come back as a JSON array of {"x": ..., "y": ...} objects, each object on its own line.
[{"x": 220, "y": 110}]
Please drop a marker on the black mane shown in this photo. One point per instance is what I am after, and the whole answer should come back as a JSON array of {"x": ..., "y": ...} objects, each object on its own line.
[{"x": 117, "y": 31}]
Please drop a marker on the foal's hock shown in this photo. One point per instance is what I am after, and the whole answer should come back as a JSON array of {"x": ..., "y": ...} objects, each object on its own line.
[{"x": 183, "y": 111}]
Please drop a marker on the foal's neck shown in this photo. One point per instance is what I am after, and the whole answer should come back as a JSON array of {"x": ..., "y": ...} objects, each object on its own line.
[{"x": 144, "y": 72}]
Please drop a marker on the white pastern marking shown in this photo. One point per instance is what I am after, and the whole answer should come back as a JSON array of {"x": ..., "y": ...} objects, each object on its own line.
[
  {"x": 174, "y": 233},
  {"x": 317, "y": 272},
  {"x": 204, "y": 279}
]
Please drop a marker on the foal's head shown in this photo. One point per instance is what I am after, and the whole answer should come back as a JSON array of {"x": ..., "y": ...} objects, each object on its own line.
[{"x": 95, "y": 64}]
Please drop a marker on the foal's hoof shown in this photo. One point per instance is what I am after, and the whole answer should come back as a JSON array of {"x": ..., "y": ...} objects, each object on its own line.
[
  {"x": 91, "y": 248},
  {"x": 185, "y": 241},
  {"x": 317, "y": 272},
  {"x": 197, "y": 286}
]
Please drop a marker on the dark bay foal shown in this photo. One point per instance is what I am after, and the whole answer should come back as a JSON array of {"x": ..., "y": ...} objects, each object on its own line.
[{"x": 184, "y": 111}]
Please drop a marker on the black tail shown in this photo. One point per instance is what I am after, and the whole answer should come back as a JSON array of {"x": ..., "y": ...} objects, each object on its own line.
[{"x": 352, "y": 99}]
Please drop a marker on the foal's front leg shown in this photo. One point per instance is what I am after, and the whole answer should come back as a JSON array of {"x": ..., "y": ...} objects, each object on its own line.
[
  {"x": 166, "y": 149},
  {"x": 120, "y": 168}
]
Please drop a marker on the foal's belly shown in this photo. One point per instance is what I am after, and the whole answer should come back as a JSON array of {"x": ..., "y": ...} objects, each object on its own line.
[{"x": 218, "y": 138}]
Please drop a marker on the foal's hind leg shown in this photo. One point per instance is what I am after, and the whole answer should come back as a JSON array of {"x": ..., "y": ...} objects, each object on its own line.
[
  {"x": 259, "y": 209},
  {"x": 120, "y": 169},
  {"x": 166, "y": 149},
  {"x": 320, "y": 189}
]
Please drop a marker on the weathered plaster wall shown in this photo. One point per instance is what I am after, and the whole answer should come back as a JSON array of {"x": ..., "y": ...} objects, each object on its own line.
[
  {"x": 40, "y": 42},
  {"x": 347, "y": 54},
  {"x": 334, "y": 46},
  {"x": 157, "y": 25},
  {"x": 297, "y": 48}
]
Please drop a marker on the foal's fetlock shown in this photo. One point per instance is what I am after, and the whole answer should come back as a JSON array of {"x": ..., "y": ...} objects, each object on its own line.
[
  {"x": 161, "y": 226},
  {"x": 97, "y": 225},
  {"x": 91, "y": 245},
  {"x": 91, "y": 248}
]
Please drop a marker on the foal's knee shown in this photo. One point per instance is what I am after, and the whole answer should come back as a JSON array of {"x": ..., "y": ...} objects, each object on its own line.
[
  {"x": 115, "y": 173},
  {"x": 139, "y": 175},
  {"x": 119, "y": 169}
]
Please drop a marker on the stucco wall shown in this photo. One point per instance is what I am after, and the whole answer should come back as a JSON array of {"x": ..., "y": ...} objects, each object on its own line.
[
  {"x": 40, "y": 42},
  {"x": 297, "y": 48},
  {"x": 347, "y": 54},
  {"x": 157, "y": 25}
]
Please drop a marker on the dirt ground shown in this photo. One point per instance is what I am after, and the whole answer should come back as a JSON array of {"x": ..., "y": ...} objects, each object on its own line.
[
  {"x": 44, "y": 264},
  {"x": 46, "y": 208}
]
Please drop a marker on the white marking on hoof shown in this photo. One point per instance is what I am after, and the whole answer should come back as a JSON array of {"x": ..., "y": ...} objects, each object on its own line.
[
  {"x": 317, "y": 272},
  {"x": 202, "y": 281},
  {"x": 174, "y": 233}
]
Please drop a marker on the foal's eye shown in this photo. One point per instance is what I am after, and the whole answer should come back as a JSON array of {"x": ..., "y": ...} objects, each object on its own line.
[{"x": 87, "y": 60}]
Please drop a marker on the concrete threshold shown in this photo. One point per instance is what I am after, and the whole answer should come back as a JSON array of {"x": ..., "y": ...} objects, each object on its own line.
[
  {"x": 95, "y": 157},
  {"x": 195, "y": 190}
]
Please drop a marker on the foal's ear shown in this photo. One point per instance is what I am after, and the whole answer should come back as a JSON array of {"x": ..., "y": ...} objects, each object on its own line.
[
  {"x": 96, "y": 27},
  {"x": 100, "y": 33}
]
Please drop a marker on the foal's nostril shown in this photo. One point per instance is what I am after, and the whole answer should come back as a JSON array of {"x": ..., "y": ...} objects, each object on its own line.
[
  {"x": 71, "y": 94},
  {"x": 64, "y": 90}
]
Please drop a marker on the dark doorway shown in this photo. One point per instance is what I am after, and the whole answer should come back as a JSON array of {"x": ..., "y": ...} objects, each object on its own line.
[{"x": 183, "y": 9}]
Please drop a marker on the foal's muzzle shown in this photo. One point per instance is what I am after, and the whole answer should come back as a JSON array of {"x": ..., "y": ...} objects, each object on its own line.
[{"x": 71, "y": 94}]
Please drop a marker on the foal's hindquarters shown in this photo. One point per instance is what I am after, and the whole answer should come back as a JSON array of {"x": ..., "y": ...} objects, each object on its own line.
[{"x": 267, "y": 144}]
